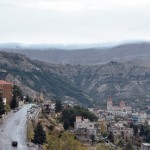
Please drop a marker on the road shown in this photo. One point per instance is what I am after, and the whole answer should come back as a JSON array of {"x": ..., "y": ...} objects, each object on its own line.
[{"x": 14, "y": 128}]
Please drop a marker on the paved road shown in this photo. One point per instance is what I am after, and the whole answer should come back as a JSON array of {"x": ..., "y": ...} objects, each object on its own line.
[{"x": 14, "y": 128}]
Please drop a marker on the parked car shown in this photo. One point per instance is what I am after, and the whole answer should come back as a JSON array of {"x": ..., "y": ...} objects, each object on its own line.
[{"x": 14, "y": 143}]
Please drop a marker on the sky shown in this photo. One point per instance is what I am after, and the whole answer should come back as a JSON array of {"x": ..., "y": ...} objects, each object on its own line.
[{"x": 74, "y": 21}]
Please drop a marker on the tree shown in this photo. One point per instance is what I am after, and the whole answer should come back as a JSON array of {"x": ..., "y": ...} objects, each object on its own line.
[
  {"x": 69, "y": 142},
  {"x": 58, "y": 106},
  {"x": 141, "y": 130},
  {"x": 39, "y": 135},
  {"x": 93, "y": 138},
  {"x": 111, "y": 137},
  {"x": 129, "y": 146},
  {"x": 66, "y": 124},
  {"x": 17, "y": 92},
  {"x": 2, "y": 107},
  {"x": 103, "y": 146},
  {"x": 103, "y": 127},
  {"x": 14, "y": 102},
  {"x": 148, "y": 138},
  {"x": 7, "y": 108},
  {"x": 131, "y": 125},
  {"x": 121, "y": 143},
  {"x": 28, "y": 99},
  {"x": 135, "y": 130},
  {"x": 52, "y": 143}
]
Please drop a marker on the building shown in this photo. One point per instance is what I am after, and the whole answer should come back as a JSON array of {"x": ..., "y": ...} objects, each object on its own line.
[
  {"x": 141, "y": 117},
  {"x": 145, "y": 146},
  {"x": 6, "y": 90},
  {"x": 119, "y": 130},
  {"x": 84, "y": 128},
  {"x": 121, "y": 110}
]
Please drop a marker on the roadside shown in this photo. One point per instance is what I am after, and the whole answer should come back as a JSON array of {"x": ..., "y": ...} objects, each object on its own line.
[{"x": 5, "y": 117}]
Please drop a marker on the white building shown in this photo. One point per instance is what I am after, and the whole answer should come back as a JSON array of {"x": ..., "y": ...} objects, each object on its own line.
[
  {"x": 145, "y": 146},
  {"x": 142, "y": 117},
  {"x": 120, "y": 110},
  {"x": 82, "y": 123}
]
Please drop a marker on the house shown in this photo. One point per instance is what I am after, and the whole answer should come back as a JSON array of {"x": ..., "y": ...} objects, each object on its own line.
[
  {"x": 121, "y": 110},
  {"x": 145, "y": 146},
  {"x": 6, "y": 90},
  {"x": 139, "y": 117},
  {"x": 84, "y": 128},
  {"x": 119, "y": 130}
]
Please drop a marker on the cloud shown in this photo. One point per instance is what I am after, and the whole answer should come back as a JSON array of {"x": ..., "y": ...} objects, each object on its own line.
[{"x": 74, "y": 21}]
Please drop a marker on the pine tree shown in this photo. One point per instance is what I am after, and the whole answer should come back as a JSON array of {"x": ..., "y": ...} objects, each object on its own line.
[
  {"x": 141, "y": 130},
  {"x": 14, "y": 102},
  {"x": 111, "y": 137},
  {"x": 39, "y": 135},
  {"x": 135, "y": 129},
  {"x": 92, "y": 138},
  {"x": 2, "y": 107},
  {"x": 129, "y": 146},
  {"x": 58, "y": 107},
  {"x": 66, "y": 124}
]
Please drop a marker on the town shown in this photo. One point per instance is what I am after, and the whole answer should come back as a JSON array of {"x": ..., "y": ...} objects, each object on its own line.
[{"x": 49, "y": 122}]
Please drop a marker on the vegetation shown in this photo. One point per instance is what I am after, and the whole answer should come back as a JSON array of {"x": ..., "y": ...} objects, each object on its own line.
[
  {"x": 70, "y": 114},
  {"x": 135, "y": 130},
  {"x": 39, "y": 135},
  {"x": 111, "y": 137},
  {"x": 28, "y": 99},
  {"x": 103, "y": 146},
  {"x": 93, "y": 138},
  {"x": 58, "y": 106},
  {"x": 66, "y": 124},
  {"x": 129, "y": 146},
  {"x": 17, "y": 92},
  {"x": 30, "y": 132},
  {"x": 7, "y": 108},
  {"x": 66, "y": 141},
  {"x": 14, "y": 102},
  {"x": 2, "y": 107},
  {"x": 17, "y": 95}
]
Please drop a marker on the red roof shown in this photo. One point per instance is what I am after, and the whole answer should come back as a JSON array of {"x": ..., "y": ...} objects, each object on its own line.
[{"x": 5, "y": 82}]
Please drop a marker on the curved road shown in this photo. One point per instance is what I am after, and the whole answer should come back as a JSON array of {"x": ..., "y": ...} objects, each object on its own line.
[{"x": 14, "y": 128}]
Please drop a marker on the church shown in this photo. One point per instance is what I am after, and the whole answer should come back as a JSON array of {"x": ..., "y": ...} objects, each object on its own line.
[{"x": 121, "y": 110}]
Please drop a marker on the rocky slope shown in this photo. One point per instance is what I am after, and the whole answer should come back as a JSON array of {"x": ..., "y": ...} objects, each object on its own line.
[{"x": 87, "y": 84}]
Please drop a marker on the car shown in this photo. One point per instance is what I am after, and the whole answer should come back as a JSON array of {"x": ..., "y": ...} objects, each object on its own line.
[{"x": 14, "y": 143}]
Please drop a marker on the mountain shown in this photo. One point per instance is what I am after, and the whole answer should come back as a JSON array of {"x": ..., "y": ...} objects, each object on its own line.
[
  {"x": 90, "y": 56},
  {"x": 32, "y": 77},
  {"x": 88, "y": 84}
]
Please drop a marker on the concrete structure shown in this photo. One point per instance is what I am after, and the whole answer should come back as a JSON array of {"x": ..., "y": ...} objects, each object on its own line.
[
  {"x": 83, "y": 129},
  {"x": 121, "y": 110},
  {"x": 6, "y": 89},
  {"x": 141, "y": 117},
  {"x": 119, "y": 130},
  {"x": 145, "y": 146}
]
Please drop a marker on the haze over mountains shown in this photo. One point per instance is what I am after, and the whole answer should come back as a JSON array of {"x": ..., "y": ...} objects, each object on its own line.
[
  {"x": 88, "y": 76},
  {"x": 86, "y": 56}
]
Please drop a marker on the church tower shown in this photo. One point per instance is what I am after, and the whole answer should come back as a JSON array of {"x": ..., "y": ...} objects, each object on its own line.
[
  {"x": 122, "y": 104},
  {"x": 109, "y": 103}
]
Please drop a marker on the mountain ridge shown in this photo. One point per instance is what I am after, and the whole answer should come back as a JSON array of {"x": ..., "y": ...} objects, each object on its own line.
[{"x": 92, "y": 56}]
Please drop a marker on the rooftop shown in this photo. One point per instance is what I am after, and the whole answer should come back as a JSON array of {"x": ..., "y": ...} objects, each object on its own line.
[{"x": 5, "y": 82}]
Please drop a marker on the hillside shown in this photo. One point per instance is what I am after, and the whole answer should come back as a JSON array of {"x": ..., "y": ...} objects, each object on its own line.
[
  {"x": 89, "y": 56},
  {"x": 33, "y": 78},
  {"x": 87, "y": 84}
]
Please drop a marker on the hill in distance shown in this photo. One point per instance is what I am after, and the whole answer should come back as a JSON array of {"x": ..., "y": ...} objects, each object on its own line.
[
  {"x": 87, "y": 84},
  {"x": 139, "y": 51}
]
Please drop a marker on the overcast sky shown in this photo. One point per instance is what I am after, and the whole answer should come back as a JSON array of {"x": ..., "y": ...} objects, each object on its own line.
[{"x": 74, "y": 21}]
